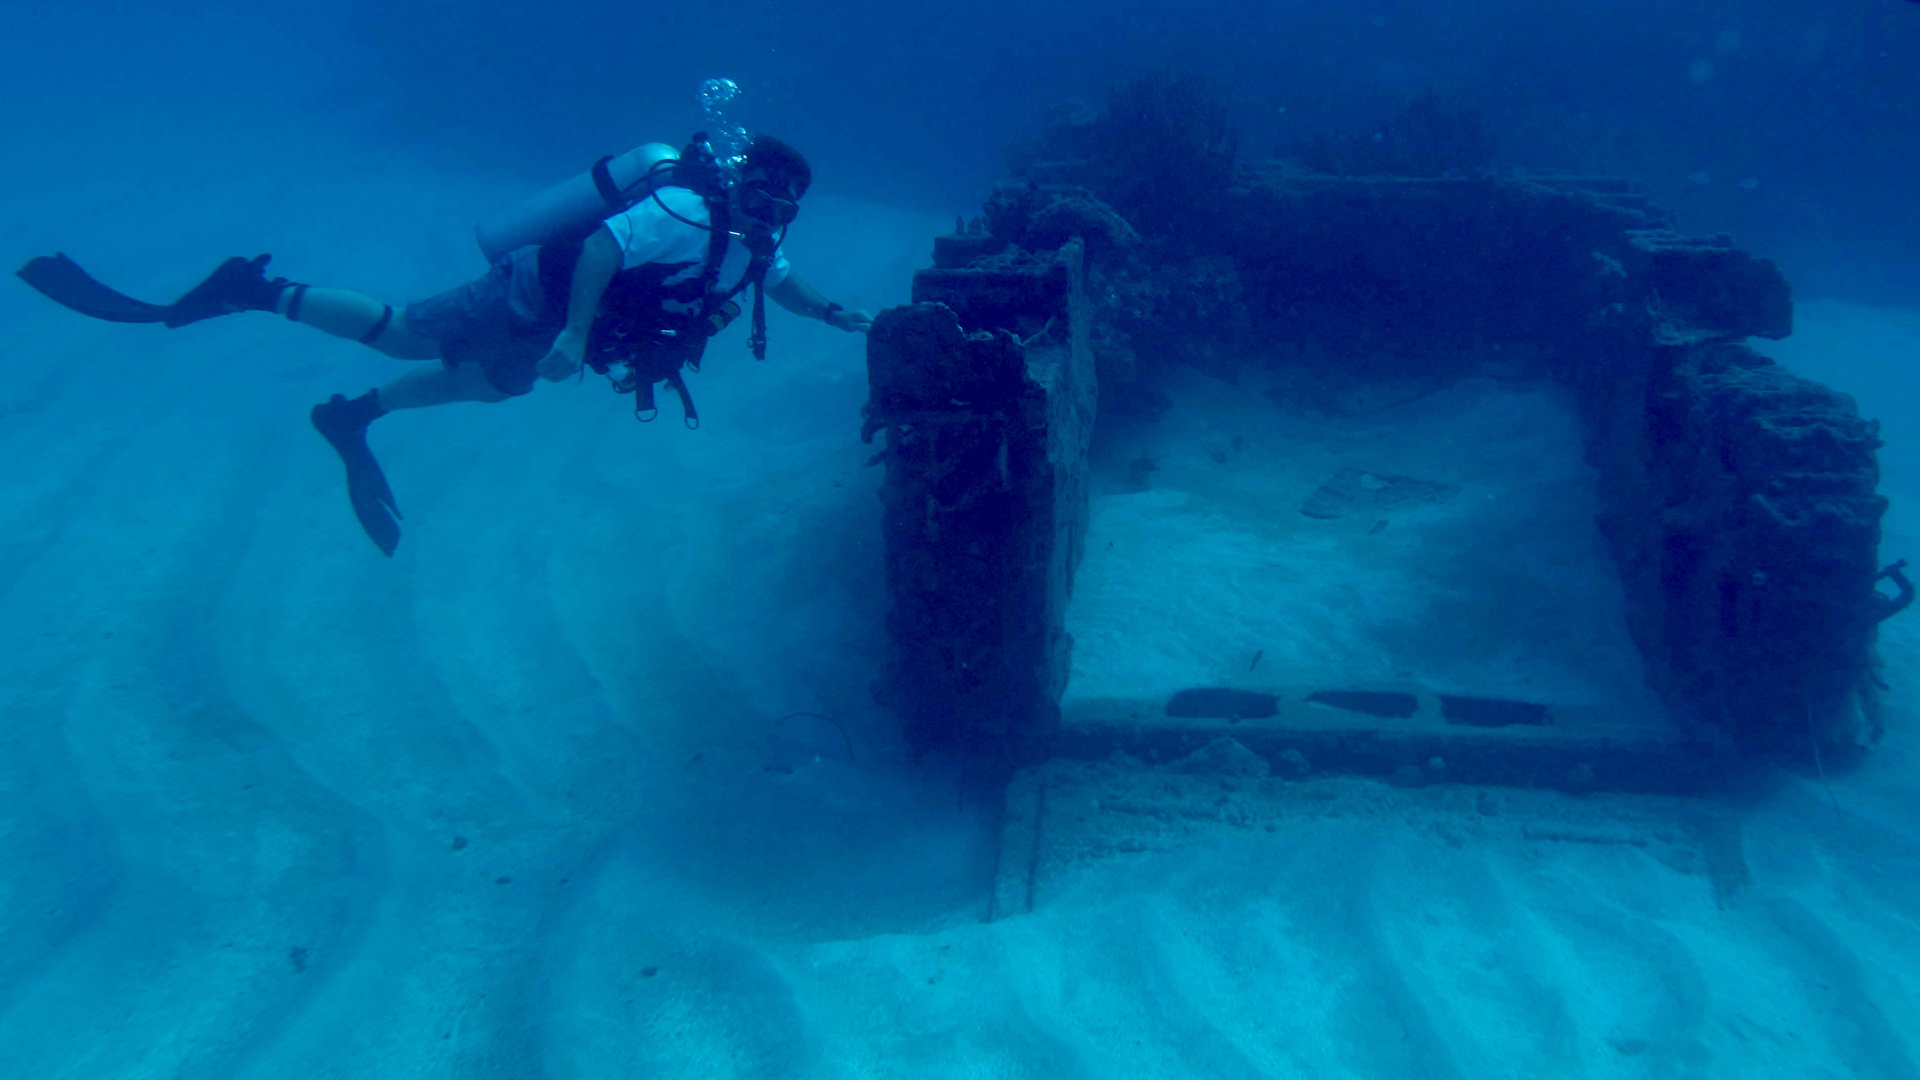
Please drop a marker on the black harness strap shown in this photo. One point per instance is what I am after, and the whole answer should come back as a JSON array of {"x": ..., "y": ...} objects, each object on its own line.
[
  {"x": 761, "y": 245},
  {"x": 679, "y": 385},
  {"x": 646, "y": 408},
  {"x": 719, "y": 222},
  {"x": 757, "y": 340},
  {"x": 610, "y": 192}
]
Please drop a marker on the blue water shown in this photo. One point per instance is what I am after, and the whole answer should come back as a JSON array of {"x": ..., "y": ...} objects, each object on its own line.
[{"x": 548, "y": 793}]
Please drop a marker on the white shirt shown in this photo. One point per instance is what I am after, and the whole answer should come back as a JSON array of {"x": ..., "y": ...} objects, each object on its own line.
[{"x": 647, "y": 235}]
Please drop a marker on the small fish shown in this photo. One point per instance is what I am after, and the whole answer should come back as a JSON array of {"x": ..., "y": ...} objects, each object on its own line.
[
  {"x": 1381, "y": 525},
  {"x": 1263, "y": 652}
]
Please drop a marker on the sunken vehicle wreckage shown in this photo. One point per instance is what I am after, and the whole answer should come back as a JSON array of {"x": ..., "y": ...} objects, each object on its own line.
[{"x": 1737, "y": 500}]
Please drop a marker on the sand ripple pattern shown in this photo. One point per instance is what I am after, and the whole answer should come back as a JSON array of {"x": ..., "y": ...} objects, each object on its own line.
[{"x": 515, "y": 804}]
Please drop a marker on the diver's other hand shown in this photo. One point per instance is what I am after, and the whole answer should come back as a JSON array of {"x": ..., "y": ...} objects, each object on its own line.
[
  {"x": 568, "y": 353},
  {"x": 854, "y": 322}
]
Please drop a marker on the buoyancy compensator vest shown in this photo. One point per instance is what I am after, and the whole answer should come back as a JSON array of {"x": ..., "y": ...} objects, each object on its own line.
[{"x": 633, "y": 330}]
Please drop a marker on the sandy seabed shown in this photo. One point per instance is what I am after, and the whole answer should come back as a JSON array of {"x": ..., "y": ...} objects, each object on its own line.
[{"x": 532, "y": 798}]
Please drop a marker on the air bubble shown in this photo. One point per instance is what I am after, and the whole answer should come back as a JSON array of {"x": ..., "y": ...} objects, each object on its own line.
[{"x": 729, "y": 139}]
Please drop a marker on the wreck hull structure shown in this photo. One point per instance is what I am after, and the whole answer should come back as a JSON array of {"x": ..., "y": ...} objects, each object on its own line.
[{"x": 1738, "y": 499}]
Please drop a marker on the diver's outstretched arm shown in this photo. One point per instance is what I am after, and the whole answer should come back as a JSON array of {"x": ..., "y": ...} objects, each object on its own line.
[{"x": 802, "y": 299}]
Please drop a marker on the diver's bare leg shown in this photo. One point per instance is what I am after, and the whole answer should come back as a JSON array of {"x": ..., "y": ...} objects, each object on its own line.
[
  {"x": 352, "y": 315},
  {"x": 343, "y": 421},
  {"x": 439, "y": 386}
]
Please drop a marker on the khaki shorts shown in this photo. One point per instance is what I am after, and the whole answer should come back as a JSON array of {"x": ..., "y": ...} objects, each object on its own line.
[{"x": 501, "y": 320}]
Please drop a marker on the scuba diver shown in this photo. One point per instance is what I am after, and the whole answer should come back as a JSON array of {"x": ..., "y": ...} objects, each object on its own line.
[{"x": 635, "y": 264}]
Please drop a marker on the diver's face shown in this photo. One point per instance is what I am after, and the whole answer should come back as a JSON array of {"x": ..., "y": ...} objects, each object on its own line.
[{"x": 768, "y": 201}]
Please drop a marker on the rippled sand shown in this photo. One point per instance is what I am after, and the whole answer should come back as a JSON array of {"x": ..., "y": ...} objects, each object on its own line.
[{"x": 522, "y": 801}]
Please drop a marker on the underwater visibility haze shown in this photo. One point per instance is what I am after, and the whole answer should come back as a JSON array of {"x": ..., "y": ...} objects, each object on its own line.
[{"x": 960, "y": 540}]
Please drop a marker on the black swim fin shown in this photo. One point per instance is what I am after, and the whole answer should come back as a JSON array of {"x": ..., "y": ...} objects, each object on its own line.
[
  {"x": 239, "y": 284},
  {"x": 344, "y": 423},
  {"x": 61, "y": 280}
]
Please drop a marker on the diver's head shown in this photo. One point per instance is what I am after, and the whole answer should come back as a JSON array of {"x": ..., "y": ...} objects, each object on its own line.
[{"x": 773, "y": 179}]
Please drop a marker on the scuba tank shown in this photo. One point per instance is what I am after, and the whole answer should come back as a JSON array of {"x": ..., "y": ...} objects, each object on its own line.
[{"x": 570, "y": 210}]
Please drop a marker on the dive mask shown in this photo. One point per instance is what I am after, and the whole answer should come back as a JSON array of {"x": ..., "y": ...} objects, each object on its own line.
[{"x": 775, "y": 207}]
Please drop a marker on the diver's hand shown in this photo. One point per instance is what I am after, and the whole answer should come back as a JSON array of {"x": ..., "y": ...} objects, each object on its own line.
[
  {"x": 568, "y": 353},
  {"x": 854, "y": 322}
]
